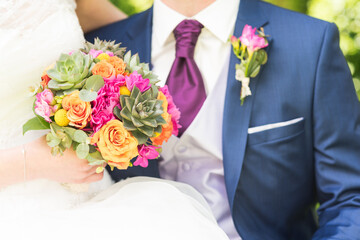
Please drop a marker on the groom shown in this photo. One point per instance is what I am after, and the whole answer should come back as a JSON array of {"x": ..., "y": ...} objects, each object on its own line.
[{"x": 294, "y": 142}]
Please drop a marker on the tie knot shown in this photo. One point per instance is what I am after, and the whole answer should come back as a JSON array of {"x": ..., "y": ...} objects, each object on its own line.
[{"x": 186, "y": 34}]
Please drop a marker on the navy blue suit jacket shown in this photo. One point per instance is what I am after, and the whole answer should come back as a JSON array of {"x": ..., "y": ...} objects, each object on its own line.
[{"x": 275, "y": 177}]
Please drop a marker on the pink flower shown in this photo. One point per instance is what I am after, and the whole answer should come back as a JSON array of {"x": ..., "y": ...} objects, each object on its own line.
[
  {"x": 251, "y": 40},
  {"x": 111, "y": 54},
  {"x": 94, "y": 53},
  {"x": 46, "y": 96},
  {"x": 172, "y": 110},
  {"x": 233, "y": 39},
  {"x": 106, "y": 101},
  {"x": 43, "y": 103},
  {"x": 146, "y": 153},
  {"x": 43, "y": 109},
  {"x": 136, "y": 79}
]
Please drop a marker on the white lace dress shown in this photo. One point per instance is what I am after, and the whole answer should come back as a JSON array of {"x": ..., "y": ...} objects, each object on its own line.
[{"x": 33, "y": 33}]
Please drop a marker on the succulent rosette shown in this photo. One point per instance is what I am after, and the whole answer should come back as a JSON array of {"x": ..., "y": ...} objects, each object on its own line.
[
  {"x": 70, "y": 71},
  {"x": 105, "y": 105}
]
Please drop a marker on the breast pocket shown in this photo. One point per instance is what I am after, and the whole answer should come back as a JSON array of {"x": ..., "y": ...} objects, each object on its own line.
[{"x": 275, "y": 131}]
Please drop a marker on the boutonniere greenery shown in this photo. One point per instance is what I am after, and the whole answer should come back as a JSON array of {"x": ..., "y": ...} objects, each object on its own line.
[{"x": 249, "y": 48}]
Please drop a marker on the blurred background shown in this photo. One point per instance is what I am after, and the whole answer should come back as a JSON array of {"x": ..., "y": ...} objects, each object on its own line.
[{"x": 345, "y": 13}]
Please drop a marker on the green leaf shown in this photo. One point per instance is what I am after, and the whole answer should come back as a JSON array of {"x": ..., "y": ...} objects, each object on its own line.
[
  {"x": 80, "y": 136},
  {"x": 66, "y": 141},
  {"x": 148, "y": 131},
  {"x": 35, "y": 123},
  {"x": 160, "y": 120},
  {"x": 94, "y": 83},
  {"x": 135, "y": 92},
  {"x": 136, "y": 122},
  {"x": 128, "y": 125},
  {"x": 127, "y": 57},
  {"x": 116, "y": 112},
  {"x": 125, "y": 114},
  {"x": 149, "y": 122},
  {"x": 82, "y": 150},
  {"x": 53, "y": 85},
  {"x": 129, "y": 102},
  {"x": 134, "y": 61},
  {"x": 158, "y": 129},
  {"x": 52, "y": 140},
  {"x": 87, "y": 95},
  {"x": 122, "y": 100},
  {"x": 255, "y": 72},
  {"x": 70, "y": 131},
  {"x": 95, "y": 158},
  {"x": 140, "y": 137},
  {"x": 53, "y": 74},
  {"x": 65, "y": 86}
]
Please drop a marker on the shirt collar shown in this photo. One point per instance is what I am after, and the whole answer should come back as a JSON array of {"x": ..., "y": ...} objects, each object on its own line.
[{"x": 219, "y": 18}]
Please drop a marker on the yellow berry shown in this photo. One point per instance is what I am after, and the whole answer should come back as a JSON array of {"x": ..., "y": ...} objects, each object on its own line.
[
  {"x": 103, "y": 56},
  {"x": 124, "y": 91},
  {"x": 61, "y": 118}
]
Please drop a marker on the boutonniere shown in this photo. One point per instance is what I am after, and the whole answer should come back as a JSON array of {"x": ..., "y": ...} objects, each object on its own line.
[{"x": 249, "y": 49}]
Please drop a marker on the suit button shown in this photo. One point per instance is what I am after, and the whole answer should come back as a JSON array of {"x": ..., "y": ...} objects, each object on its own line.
[
  {"x": 186, "y": 167},
  {"x": 182, "y": 149}
]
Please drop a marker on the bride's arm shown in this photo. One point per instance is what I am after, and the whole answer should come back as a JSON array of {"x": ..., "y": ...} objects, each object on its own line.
[
  {"x": 93, "y": 14},
  {"x": 39, "y": 163}
]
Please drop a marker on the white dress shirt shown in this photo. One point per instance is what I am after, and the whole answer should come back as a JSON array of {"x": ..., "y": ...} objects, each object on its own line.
[{"x": 196, "y": 158}]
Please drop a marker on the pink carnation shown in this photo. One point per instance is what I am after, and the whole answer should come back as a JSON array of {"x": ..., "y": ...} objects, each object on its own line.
[
  {"x": 106, "y": 101},
  {"x": 172, "y": 110},
  {"x": 146, "y": 153},
  {"x": 111, "y": 54},
  {"x": 42, "y": 104},
  {"x": 136, "y": 79},
  {"x": 251, "y": 40},
  {"x": 94, "y": 53},
  {"x": 46, "y": 96}
]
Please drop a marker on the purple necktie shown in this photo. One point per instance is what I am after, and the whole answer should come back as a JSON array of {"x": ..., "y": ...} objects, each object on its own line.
[{"x": 184, "y": 81}]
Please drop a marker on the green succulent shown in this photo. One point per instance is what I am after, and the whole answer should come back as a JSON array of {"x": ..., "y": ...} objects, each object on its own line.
[
  {"x": 141, "y": 113},
  {"x": 70, "y": 71},
  {"x": 133, "y": 64},
  {"x": 104, "y": 46}
]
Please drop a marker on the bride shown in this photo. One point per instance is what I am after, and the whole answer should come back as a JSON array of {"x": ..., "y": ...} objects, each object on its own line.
[{"x": 33, "y": 203}]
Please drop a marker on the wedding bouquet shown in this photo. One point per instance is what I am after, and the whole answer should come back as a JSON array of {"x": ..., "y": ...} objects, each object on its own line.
[{"x": 106, "y": 106}]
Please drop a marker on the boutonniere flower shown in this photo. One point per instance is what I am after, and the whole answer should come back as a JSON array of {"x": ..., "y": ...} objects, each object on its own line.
[{"x": 249, "y": 48}]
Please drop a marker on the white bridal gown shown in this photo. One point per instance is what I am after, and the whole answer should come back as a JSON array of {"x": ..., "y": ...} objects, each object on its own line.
[{"x": 33, "y": 33}]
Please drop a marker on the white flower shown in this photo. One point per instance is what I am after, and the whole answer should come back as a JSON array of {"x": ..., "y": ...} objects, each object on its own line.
[{"x": 245, "y": 81}]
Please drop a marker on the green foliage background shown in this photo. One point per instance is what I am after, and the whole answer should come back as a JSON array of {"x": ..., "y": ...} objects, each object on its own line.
[{"x": 345, "y": 13}]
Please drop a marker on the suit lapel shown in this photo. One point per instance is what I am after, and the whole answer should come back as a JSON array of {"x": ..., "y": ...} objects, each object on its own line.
[
  {"x": 140, "y": 34},
  {"x": 236, "y": 117}
]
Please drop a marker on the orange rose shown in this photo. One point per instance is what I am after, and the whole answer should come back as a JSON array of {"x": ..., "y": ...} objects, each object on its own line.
[
  {"x": 104, "y": 69},
  {"x": 165, "y": 134},
  {"x": 116, "y": 144},
  {"x": 78, "y": 111},
  {"x": 118, "y": 64}
]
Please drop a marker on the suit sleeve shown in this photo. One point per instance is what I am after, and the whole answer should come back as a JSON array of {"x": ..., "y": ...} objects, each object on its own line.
[{"x": 336, "y": 136}]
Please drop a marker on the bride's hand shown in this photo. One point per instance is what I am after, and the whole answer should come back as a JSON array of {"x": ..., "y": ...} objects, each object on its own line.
[
  {"x": 65, "y": 169},
  {"x": 93, "y": 14}
]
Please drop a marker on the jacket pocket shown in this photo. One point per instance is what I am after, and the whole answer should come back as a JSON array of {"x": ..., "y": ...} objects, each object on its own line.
[{"x": 270, "y": 132}]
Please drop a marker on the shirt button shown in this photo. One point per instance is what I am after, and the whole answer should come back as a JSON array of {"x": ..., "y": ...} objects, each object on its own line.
[
  {"x": 182, "y": 149},
  {"x": 186, "y": 167}
]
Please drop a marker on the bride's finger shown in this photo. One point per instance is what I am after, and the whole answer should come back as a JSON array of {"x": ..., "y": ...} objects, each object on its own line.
[
  {"x": 95, "y": 169},
  {"x": 94, "y": 177}
]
